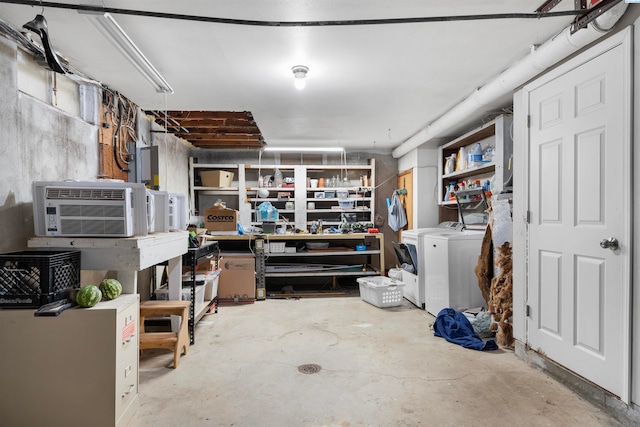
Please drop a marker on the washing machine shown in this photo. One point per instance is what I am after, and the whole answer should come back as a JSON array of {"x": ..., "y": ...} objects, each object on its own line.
[
  {"x": 410, "y": 253},
  {"x": 440, "y": 261},
  {"x": 450, "y": 258},
  {"x": 450, "y": 280}
]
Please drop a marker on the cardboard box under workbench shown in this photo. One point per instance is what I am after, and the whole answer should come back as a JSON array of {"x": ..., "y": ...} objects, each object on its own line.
[{"x": 237, "y": 278}]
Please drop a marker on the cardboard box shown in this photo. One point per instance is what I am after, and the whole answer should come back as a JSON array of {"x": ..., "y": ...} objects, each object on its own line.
[
  {"x": 237, "y": 277},
  {"x": 197, "y": 230},
  {"x": 216, "y": 178},
  {"x": 217, "y": 218}
]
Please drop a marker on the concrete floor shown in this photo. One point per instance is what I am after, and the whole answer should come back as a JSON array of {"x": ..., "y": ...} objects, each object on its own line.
[{"x": 379, "y": 367}]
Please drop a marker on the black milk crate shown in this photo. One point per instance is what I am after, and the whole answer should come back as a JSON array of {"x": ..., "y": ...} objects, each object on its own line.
[{"x": 34, "y": 278}]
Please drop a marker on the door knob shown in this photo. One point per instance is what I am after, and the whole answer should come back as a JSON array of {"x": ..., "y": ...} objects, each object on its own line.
[{"x": 610, "y": 243}]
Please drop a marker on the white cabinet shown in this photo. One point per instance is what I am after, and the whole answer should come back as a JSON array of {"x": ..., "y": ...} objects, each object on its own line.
[
  {"x": 497, "y": 171},
  {"x": 76, "y": 369}
]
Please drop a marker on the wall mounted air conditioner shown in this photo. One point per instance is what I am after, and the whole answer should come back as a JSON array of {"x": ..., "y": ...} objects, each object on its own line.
[
  {"x": 177, "y": 212},
  {"x": 89, "y": 209}
]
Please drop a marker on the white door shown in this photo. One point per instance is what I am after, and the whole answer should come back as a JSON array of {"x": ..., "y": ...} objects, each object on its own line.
[{"x": 579, "y": 196}]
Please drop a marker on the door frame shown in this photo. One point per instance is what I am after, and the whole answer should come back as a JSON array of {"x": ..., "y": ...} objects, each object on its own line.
[
  {"x": 405, "y": 180},
  {"x": 522, "y": 196}
]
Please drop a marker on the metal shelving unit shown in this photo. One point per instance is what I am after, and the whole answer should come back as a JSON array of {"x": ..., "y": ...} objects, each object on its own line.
[{"x": 191, "y": 259}]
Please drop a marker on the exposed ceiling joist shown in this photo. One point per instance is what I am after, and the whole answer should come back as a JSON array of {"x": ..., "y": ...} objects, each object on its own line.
[{"x": 212, "y": 129}]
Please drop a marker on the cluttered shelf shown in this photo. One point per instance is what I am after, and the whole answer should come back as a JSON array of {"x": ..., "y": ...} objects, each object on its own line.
[
  {"x": 295, "y": 195},
  {"x": 285, "y": 260},
  {"x": 328, "y": 252},
  {"x": 204, "y": 299}
]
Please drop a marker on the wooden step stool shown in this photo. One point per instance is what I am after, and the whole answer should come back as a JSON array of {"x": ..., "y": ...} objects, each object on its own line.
[{"x": 177, "y": 341}]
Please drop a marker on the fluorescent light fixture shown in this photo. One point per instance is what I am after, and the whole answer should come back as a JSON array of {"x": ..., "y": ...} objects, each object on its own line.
[
  {"x": 305, "y": 149},
  {"x": 113, "y": 32}
]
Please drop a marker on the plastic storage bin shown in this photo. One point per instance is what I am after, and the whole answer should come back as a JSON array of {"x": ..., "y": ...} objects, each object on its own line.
[
  {"x": 163, "y": 294},
  {"x": 345, "y": 204},
  {"x": 211, "y": 285},
  {"x": 381, "y": 291},
  {"x": 276, "y": 247}
]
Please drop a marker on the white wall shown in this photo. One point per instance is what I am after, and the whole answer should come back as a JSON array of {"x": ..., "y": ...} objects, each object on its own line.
[
  {"x": 37, "y": 142},
  {"x": 173, "y": 157},
  {"x": 40, "y": 142},
  {"x": 424, "y": 162}
]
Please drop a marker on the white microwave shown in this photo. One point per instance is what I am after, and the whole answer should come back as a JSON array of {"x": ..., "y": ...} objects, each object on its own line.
[{"x": 89, "y": 209}]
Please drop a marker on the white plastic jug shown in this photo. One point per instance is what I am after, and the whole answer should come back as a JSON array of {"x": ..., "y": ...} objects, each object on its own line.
[
  {"x": 475, "y": 155},
  {"x": 450, "y": 164}
]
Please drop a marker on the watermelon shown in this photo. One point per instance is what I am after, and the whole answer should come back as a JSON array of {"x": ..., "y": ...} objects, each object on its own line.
[
  {"x": 88, "y": 296},
  {"x": 110, "y": 289}
]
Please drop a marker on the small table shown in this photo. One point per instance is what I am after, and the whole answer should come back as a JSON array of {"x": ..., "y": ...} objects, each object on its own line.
[
  {"x": 177, "y": 341},
  {"x": 126, "y": 255}
]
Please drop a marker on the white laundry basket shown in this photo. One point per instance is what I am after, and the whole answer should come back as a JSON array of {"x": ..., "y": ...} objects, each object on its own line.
[{"x": 381, "y": 291}]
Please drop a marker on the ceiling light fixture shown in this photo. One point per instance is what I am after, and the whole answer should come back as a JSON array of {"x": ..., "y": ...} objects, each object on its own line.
[
  {"x": 109, "y": 28},
  {"x": 305, "y": 149},
  {"x": 300, "y": 73}
]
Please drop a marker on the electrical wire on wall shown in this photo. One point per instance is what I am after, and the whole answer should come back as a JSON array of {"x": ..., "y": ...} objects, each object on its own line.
[
  {"x": 121, "y": 112},
  {"x": 125, "y": 116}
]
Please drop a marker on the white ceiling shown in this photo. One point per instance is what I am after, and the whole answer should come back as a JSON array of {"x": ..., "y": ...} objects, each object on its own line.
[{"x": 369, "y": 86}]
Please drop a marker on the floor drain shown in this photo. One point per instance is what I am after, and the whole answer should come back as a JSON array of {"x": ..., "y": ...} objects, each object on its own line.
[{"x": 309, "y": 368}]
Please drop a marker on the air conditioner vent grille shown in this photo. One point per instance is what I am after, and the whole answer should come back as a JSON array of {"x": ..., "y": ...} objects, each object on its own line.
[
  {"x": 90, "y": 227},
  {"x": 92, "y": 211},
  {"x": 86, "y": 193}
]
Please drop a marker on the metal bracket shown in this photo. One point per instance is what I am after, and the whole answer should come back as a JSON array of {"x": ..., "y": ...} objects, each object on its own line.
[{"x": 590, "y": 15}]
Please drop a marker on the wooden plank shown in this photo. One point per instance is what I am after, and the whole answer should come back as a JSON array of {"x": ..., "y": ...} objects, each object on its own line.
[{"x": 307, "y": 294}]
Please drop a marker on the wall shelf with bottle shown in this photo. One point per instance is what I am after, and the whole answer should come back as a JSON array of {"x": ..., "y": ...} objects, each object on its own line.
[
  {"x": 481, "y": 158},
  {"x": 302, "y": 194},
  {"x": 272, "y": 184},
  {"x": 347, "y": 193}
]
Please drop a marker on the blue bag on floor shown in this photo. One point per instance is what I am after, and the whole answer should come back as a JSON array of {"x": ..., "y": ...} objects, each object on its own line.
[{"x": 455, "y": 327}]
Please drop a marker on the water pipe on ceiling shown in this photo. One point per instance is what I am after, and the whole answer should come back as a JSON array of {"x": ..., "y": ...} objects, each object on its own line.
[{"x": 541, "y": 58}]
